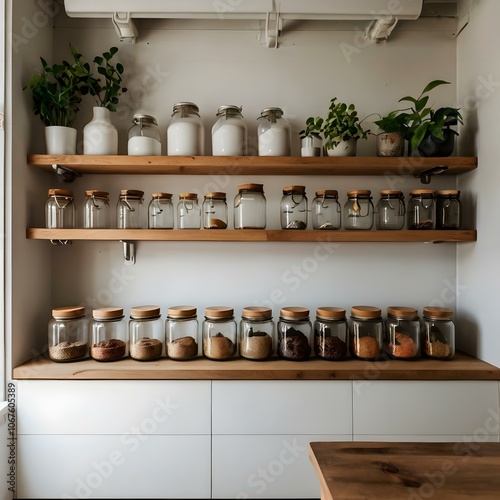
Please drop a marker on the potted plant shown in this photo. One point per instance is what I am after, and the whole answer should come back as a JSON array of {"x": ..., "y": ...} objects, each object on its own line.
[
  {"x": 391, "y": 139},
  {"x": 428, "y": 129},
  {"x": 57, "y": 93},
  {"x": 311, "y": 138}
]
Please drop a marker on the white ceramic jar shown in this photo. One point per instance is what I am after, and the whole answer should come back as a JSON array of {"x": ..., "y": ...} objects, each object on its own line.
[{"x": 185, "y": 134}]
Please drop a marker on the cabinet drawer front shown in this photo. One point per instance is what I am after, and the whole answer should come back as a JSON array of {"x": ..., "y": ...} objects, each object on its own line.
[
  {"x": 111, "y": 467},
  {"x": 282, "y": 407},
  {"x": 439, "y": 408},
  {"x": 114, "y": 407},
  {"x": 265, "y": 466}
]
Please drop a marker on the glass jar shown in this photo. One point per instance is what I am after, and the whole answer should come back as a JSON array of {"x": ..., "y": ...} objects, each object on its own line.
[
  {"x": 326, "y": 210},
  {"x": 185, "y": 134},
  {"x": 366, "y": 331},
  {"x": 182, "y": 335},
  {"x": 257, "y": 333},
  {"x": 294, "y": 208},
  {"x": 68, "y": 334},
  {"x": 188, "y": 211},
  {"x": 129, "y": 209},
  {"x": 109, "y": 334},
  {"x": 144, "y": 136},
  {"x": 145, "y": 333},
  {"x": 60, "y": 209},
  {"x": 294, "y": 333},
  {"x": 219, "y": 333},
  {"x": 331, "y": 333},
  {"x": 215, "y": 211},
  {"x": 229, "y": 133},
  {"x": 421, "y": 209},
  {"x": 439, "y": 333},
  {"x": 358, "y": 210},
  {"x": 161, "y": 211},
  {"x": 448, "y": 209},
  {"x": 96, "y": 210},
  {"x": 402, "y": 333},
  {"x": 274, "y": 134},
  {"x": 390, "y": 210},
  {"x": 250, "y": 207}
]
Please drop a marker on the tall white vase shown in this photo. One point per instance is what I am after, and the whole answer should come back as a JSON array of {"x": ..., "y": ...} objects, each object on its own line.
[{"x": 100, "y": 137}]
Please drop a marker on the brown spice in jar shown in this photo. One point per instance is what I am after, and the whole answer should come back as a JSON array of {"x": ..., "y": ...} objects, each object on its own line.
[
  {"x": 217, "y": 224},
  {"x": 437, "y": 349},
  {"x": 258, "y": 345},
  {"x": 68, "y": 351},
  {"x": 330, "y": 347},
  {"x": 366, "y": 347},
  {"x": 404, "y": 347},
  {"x": 108, "y": 350},
  {"x": 219, "y": 347},
  {"x": 294, "y": 345},
  {"x": 145, "y": 349},
  {"x": 182, "y": 348}
]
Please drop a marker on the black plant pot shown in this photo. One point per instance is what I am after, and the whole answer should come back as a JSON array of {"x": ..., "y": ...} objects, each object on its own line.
[{"x": 432, "y": 147}]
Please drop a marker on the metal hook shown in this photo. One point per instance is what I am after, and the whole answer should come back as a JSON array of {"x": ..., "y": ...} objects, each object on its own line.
[
  {"x": 65, "y": 174},
  {"x": 128, "y": 252},
  {"x": 426, "y": 175}
]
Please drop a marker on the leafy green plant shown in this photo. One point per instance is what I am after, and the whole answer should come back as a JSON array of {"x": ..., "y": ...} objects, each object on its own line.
[
  {"x": 313, "y": 128},
  {"x": 392, "y": 122}
]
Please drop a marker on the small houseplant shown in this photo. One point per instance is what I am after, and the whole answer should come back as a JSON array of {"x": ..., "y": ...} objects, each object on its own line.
[
  {"x": 311, "y": 137},
  {"x": 391, "y": 139}
]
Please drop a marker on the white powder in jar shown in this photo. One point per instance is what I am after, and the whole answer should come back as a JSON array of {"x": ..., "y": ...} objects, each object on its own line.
[
  {"x": 141, "y": 145},
  {"x": 275, "y": 141},
  {"x": 229, "y": 139},
  {"x": 185, "y": 138}
]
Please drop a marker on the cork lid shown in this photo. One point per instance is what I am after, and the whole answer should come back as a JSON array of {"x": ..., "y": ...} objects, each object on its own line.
[
  {"x": 96, "y": 193},
  {"x": 61, "y": 192},
  {"x": 188, "y": 196},
  {"x": 402, "y": 312},
  {"x": 163, "y": 196},
  {"x": 330, "y": 313},
  {"x": 332, "y": 193},
  {"x": 219, "y": 312},
  {"x": 448, "y": 193},
  {"x": 108, "y": 313},
  {"x": 294, "y": 189},
  {"x": 139, "y": 312},
  {"x": 255, "y": 312},
  {"x": 131, "y": 193},
  {"x": 182, "y": 312},
  {"x": 391, "y": 193},
  {"x": 366, "y": 312},
  {"x": 426, "y": 193},
  {"x": 216, "y": 195},
  {"x": 68, "y": 312},
  {"x": 359, "y": 193},
  {"x": 251, "y": 187},
  {"x": 294, "y": 312},
  {"x": 438, "y": 312}
]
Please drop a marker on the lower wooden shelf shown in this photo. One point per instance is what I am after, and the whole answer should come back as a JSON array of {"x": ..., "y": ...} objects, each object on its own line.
[{"x": 462, "y": 367}]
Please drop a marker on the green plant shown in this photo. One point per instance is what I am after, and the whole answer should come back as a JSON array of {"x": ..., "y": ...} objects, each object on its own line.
[
  {"x": 422, "y": 120},
  {"x": 395, "y": 121},
  {"x": 313, "y": 128}
]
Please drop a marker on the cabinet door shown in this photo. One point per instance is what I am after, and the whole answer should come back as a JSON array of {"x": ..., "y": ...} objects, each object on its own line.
[
  {"x": 113, "y": 466},
  {"x": 282, "y": 407}
]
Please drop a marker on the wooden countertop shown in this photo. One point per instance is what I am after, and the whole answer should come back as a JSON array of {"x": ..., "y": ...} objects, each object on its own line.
[
  {"x": 387, "y": 471},
  {"x": 462, "y": 367}
]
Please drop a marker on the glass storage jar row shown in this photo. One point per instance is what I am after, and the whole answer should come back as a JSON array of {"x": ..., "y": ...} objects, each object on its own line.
[{"x": 107, "y": 337}]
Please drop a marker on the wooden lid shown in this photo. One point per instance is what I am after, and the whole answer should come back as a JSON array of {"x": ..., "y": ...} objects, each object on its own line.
[
  {"x": 61, "y": 192},
  {"x": 391, "y": 193},
  {"x": 294, "y": 189},
  {"x": 217, "y": 312},
  {"x": 163, "y": 196},
  {"x": 327, "y": 192},
  {"x": 422, "y": 192},
  {"x": 294, "y": 312},
  {"x": 251, "y": 187},
  {"x": 330, "y": 313},
  {"x": 131, "y": 193},
  {"x": 402, "y": 312},
  {"x": 188, "y": 196},
  {"x": 216, "y": 195},
  {"x": 182, "y": 312},
  {"x": 361, "y": 193},
  {"x": 68, "y": 312},
  {"x": 448, "y": 193},
  {"x": 255, "y": 312},
  {"x": 97, "y": 193},
  {"x": 366, "y": 312},
  {"x": 438, "y": 312},
  {"x": 138, "y": 312},
  {"x": 108, "y": 313}
]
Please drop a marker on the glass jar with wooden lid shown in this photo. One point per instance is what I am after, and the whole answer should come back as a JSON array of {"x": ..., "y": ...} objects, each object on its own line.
[
  {"x": 366, "y": 331},
  {"x": 96, "y": 210},
  {"x": 182, "y": 335},
  {"x": 60, "y": 209},
  {"x": 326, "y": 210},
  {"x": 439, "y": 332},
  {"x": 250, "y": 207},
  {"x": 188, "y": 211},
  {"x": 294, "y": 208},
  {"x": 161, "y": 211},
  {"x": 294, "y": 333},
  {"x": 331, "y": 333},
  {"x": 403, "y": 332},
  {"x": 109, "y": 334},
  {"x": 421, "y": 209},
  {"x": 219, "y": 333},
  {"x": 358, "y": 210},
  {"x": 390, "y": 211},
  {"x": 145, "y": 333},
  {"x": 257, "y": 337},
  {"x": 129, "y": 209},
  {"x": 448, "y": 209},
  {"x": 68, "y": 331},
  {"x": 215, "y": 211}
]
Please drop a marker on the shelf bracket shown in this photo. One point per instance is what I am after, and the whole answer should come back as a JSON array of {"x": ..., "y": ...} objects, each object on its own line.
[
  {"x": 65, "y": 174},
  {"x": 272, "y": 34},
  {"x": 61, "y": 242},
  {"x": 128, "y": 252},
  {"x": 426, "y": 175}
]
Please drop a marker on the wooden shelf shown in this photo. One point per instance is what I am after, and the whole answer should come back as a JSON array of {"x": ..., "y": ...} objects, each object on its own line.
[
  {"x": 250, "y": 165},
  {"x": 247, "y": 235},
  {"x": 462, "y": 367}
]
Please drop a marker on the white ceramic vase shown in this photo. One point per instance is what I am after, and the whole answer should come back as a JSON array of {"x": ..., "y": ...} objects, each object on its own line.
[
  {"x": 344, "y": 148},
  {"x": 100, "y": 136},
  {"x": 310, "y": 147},
  {"x": 60, "y": 140}
]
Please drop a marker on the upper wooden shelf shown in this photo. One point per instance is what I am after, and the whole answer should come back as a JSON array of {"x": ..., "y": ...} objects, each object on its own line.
[{"x": 251, "y": 165}]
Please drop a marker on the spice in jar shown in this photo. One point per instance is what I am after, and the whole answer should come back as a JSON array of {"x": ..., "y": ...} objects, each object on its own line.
[
  {"x": 219, "y": 333},
  {"x": 366, "y": 331},
  {"x": 109, "y": 334},
  {"x": 403, "y": 332},
  {"x": 294, "y": 333},
  {"x": 330, "y": 333},
  {"x": 439, "y": 334},
  {"x": 215, "y": 211},
  {"x": 256, "y": 333},
  {"x": 448, "y": 209},
  {"x": 421, "y": 209},
  {"x": 145, "y": 333},
  {"x": 182, "y": 332},
  {"x": 68, "y": 334}
]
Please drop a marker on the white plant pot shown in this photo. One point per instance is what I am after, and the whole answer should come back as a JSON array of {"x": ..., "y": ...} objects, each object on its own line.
[
  {"x": 60, "y": 140},
  {"x": 344, "y": 148},
  {"x": 310, "y": 147},
  {"x": 100, "y": 136}
]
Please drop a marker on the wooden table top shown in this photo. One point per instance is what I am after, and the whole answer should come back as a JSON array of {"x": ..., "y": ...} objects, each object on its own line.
[{"x": 410, "y": 471}]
